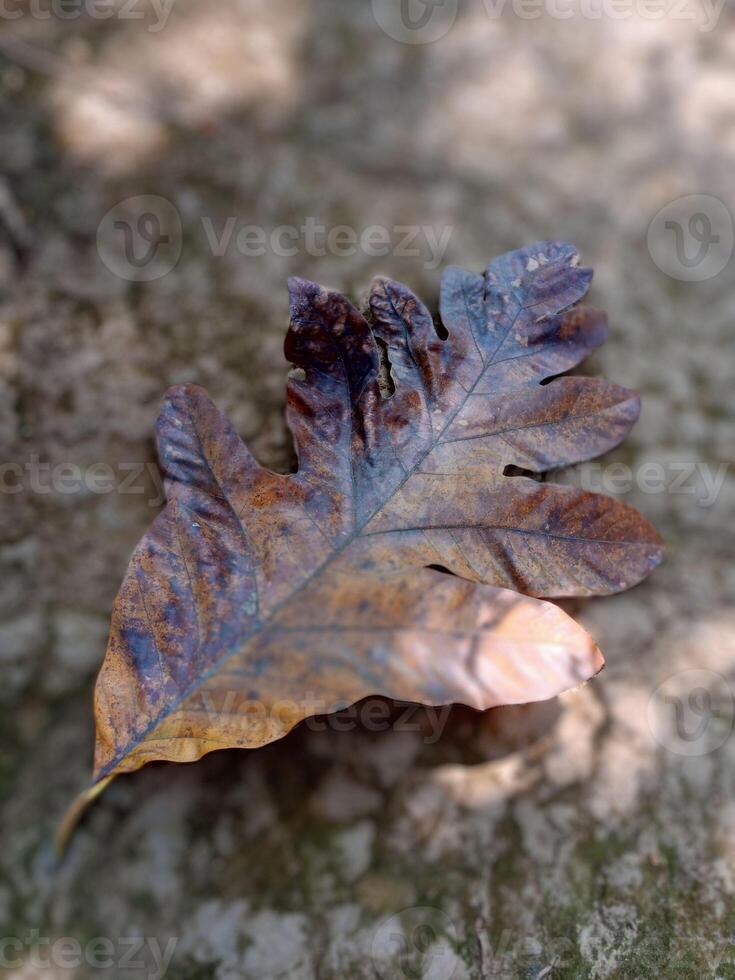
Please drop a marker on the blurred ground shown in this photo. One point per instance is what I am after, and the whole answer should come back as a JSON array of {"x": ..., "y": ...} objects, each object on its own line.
[{"x": 581, "y": 839}]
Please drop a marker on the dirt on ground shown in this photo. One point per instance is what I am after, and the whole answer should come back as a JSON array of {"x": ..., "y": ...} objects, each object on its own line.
[{"x": 589, "y": 837}]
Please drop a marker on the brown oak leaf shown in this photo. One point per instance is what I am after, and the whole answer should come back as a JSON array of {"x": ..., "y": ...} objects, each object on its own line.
[{"x": 257, "y": 599}]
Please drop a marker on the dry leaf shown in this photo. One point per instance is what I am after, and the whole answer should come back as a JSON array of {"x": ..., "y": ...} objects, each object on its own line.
[{"x": 257, "y": 599}]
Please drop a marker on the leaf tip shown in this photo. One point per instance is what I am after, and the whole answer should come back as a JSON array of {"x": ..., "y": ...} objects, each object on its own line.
[
  {"x": 303, "y": 294},
  {"x": 633, "y": 404},
  {"x": 179, "y": 402},
  {"x": 177, "y": 407}
]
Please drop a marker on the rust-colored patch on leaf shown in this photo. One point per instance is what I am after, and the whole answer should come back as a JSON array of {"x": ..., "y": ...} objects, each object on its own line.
[{"x": 257, "y": 599}]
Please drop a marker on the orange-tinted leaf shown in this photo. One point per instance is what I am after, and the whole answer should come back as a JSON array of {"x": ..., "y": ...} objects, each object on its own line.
[{"x": 257, "y": 599}]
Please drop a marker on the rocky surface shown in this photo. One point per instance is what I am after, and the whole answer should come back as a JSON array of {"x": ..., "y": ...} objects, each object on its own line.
[{"x": 592, "y": 837}]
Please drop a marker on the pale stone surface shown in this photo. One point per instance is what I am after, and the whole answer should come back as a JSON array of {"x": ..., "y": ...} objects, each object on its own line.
[{"x": 588, "y": 838}]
